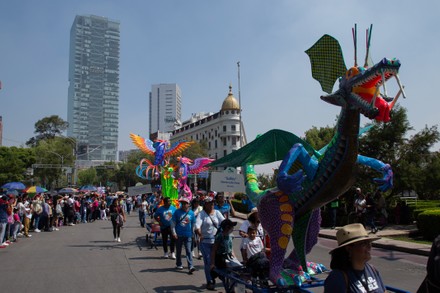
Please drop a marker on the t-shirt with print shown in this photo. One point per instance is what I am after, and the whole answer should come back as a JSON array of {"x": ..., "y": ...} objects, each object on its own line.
[
  {"x": 183, "y": 222},
  {"x": 165, "y": 214},
  {"x": 252, "y": 246},
  {"x": 355, "y": 280}
]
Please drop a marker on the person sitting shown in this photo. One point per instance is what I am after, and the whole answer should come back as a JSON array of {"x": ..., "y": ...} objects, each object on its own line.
[
  {"x": 351, "y": 271},
  {"x": 251, "y": 245}
]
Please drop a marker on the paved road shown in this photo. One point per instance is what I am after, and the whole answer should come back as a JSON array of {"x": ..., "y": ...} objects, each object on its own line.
[{"x": 84, "y": 258}]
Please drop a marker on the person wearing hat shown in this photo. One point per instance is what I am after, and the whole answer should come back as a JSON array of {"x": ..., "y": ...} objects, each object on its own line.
[
  {"x": 351, "y": 271},
  {"x": 182, "y": 226},
  {"x": 163, "y": 215},
  {"x": 207, "y": 224},
  {"x": 222, "y": 255}
]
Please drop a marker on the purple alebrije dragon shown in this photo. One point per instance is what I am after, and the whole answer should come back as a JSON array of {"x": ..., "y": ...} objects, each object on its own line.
[
  {"x": 308, "y": 179},
  {"x": 188, "y": 166}
]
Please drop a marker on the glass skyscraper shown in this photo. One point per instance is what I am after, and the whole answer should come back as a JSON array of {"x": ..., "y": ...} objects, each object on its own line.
[{"x": 93, "y": 97}]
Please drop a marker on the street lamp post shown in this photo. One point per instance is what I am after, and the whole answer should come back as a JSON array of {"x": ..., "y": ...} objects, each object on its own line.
[{"x": 62, "y": 161}]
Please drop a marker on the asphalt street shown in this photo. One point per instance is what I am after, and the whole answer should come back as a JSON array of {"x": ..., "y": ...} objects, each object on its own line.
[{"x": 84, "y": 258}]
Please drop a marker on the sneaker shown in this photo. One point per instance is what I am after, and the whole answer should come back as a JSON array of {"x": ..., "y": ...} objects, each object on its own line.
[
  {"x": 193, "y": 255},
  {"x": 56, "y": 229},
  {"x": 37, "y": 230},
  {"x": 5, "y": 244},
  {"x": 200, "y": 255},
  {"x": 29, "y": 236},
  {"x": 191, "y": 270},
  {"x": 20, "y": 235},
  {"x": 8, "y": 242},
  {"x": 119, "y": 239},
  {"x": 179, "y": 267},
  {"x": 165, "y": 255},
  {"x": 116, "y": 239},
  {"x": 173, "y": 255}
]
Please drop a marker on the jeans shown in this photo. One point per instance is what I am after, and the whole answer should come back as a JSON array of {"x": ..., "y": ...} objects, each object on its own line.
[
  {"x": 206, "y": 249},
  {"x": 166, "y": 232},
  {"x": 183, "y": 240},
  {"x": 36, "y": 221},
  {"x": 142, "y": 217},
  {"x": 2, "y": 232},
  {"x": 128, "y": 208}
]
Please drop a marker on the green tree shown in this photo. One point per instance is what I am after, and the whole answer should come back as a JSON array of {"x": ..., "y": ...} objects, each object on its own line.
[
  {"x": 319, "y": 137},
  {"x": 48, "y": 127},
  {"x": 87, "y": 177},
  {"x": 14, "y": 162}
]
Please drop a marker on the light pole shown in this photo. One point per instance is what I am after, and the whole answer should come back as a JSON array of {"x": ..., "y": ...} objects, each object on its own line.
[
  {"x": 62, "y": 161},
  {"x": 74, "y": 142}
]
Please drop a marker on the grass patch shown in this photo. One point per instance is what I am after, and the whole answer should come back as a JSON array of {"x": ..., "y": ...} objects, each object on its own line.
[{"x": 411, "y": 238}]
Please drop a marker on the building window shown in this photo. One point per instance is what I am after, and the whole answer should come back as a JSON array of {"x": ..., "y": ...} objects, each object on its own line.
[
  {"x": 234, "y": 141},
  {"x": 224, "y": 128},
  {"x": 224, "y": 141},
  {"x": 215, "y": 143},
  {"x": 233, "y": 127},
  {"x": 225, "y": 152}
]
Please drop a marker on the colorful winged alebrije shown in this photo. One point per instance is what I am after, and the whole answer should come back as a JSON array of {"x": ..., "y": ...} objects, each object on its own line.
[
  {"x": 161, "y": 152},
  {"x": 292, "y": 209},
  {"x": 188, "y": 166}
]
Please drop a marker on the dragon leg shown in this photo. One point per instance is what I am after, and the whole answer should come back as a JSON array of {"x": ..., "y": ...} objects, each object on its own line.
[
  {"x": 305, "y": 236},
  {"x": 276, "y": 215}
]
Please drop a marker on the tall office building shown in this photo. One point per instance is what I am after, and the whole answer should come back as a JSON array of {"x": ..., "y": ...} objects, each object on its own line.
[
  {"x": 93, "y": 98},
  {"x": 165, "y": 107}
]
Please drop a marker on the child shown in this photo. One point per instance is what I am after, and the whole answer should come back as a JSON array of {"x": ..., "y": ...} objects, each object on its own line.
[
  {"x": 222, "y": 255},
  {"x": 251, "y": 245}
]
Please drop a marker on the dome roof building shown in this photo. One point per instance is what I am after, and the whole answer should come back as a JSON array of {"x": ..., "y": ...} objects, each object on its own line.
[
  {"x": 223, "y": 132},
  {"x": 230, "y": 103}
]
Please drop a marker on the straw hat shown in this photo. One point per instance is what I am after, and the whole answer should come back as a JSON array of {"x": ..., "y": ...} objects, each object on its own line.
[{"x": 350, "y": 234}]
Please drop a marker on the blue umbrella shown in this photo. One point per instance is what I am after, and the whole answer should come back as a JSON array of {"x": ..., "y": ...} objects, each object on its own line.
[
  {"x": 88, "y": 188},
  {"x": 14, "y": 185}
]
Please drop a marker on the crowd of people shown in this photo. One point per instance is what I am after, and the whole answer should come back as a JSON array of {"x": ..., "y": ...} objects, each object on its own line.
[{"x": 23, "y": 214}]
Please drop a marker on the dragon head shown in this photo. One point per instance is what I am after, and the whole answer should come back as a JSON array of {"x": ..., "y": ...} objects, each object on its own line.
[{"x": 359, "y": 89}]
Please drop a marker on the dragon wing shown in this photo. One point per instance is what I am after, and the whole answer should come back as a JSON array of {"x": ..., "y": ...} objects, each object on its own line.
[
  {"x": 143, "y": 144},
  {"x": 327, "y": 62},
  {"x": 178, "y": 148},
  {"x": 269, "y": 147},
  {"x": 200, "y": 165}
]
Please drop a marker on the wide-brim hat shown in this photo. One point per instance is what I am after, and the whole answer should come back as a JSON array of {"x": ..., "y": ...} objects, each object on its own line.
[{"x": 350, "y": 234}]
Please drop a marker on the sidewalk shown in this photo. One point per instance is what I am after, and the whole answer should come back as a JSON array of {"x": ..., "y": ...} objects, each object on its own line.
[{"x": 384, "y": 242}]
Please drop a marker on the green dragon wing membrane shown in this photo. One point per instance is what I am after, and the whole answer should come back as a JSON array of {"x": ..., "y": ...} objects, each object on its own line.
[{"x": 327, "y": 62}]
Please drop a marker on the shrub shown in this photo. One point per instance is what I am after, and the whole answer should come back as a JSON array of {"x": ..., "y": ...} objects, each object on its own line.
[{"x": 428, "y": 223}]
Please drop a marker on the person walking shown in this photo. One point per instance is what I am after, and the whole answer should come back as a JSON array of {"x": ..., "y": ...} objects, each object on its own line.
[
  {"x": 222, "y": 205},
  {"x": 163, "y": 215},
  {"x": 182, "y": 226},
  {"x": 351, "y": 271},
  {"x": 371, "y": 212},
  {"x": 360, "y": 205},
  {"x": 207, "y": 223},
  {"x": 117, "y": 217}
]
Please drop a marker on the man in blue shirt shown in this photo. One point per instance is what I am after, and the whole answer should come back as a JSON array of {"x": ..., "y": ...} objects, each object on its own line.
[
  {"x": 222, "y": 205},
  {"x": 182, "y": 227},
  {"x": 163, "y": 215}
]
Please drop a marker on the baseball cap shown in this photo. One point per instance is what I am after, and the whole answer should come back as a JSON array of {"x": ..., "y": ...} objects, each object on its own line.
[
  {"x": 227, "y": 223},
  {"x": 184, "y": 199}
]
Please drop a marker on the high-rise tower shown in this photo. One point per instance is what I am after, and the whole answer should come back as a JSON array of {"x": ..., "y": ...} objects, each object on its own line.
[
  {"x": 93, "y": 97},
  {"x": 165, "y": 107}
]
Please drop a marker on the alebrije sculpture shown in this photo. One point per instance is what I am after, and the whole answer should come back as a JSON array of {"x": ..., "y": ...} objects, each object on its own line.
[{"x": 309, "y": 179}]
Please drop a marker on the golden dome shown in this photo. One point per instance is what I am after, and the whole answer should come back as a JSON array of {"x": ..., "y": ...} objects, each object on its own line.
[{"x": 230, "y": 103}]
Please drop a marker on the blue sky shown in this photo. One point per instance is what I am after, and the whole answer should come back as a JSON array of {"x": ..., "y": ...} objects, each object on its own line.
[{"x": 197, "y": 43}]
